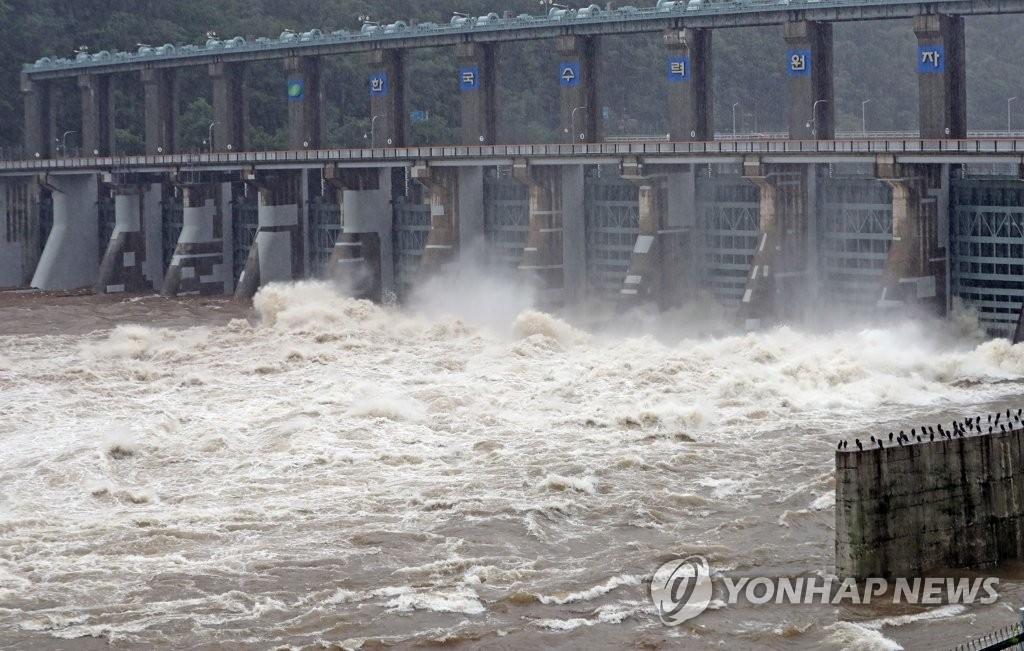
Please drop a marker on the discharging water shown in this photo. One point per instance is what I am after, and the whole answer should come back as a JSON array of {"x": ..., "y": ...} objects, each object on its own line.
[{"x": 319, "y": 472}]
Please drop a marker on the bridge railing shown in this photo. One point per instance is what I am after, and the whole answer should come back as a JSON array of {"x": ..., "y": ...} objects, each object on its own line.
[{"x": 505, "y": 152}]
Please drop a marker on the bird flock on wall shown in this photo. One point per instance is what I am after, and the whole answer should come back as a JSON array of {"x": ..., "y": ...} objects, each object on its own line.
[{"x": 927, "y": 434}]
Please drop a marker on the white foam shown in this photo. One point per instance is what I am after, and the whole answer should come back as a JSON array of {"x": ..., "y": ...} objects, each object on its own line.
[
  {"x": 592, "y": 593},
  {"x": 855, "y": 637}
]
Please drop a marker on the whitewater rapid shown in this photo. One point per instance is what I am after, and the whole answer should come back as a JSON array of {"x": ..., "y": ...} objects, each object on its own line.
[{"x": 326, "y": 471}]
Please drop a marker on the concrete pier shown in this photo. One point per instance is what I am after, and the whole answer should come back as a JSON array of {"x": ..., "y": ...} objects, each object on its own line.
[
  {"x": 40, "y": 117},
  {"x": 97, "y": 115},
  {"x": 305, "y": 103},
  {"x": 442, "y": 245},
  {"x": 123, "y": 266},
  {"x": 942, "y": 76},
  {"x": 199, "y": 265},
  {"x": 779, "y": 269},
  {"x": 278, "y": 253},
  {"x": 230, "y": 107},
  {"x": 70, "y": 259},
  {"x": 915, "y": 270},
  {"x": 906, "y": 510}
]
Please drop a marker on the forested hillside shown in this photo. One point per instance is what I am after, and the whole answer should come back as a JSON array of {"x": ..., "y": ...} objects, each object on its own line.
[{"x": 873, "y": 61}]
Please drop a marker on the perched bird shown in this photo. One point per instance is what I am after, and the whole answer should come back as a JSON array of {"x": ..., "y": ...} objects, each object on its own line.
[
  {"x": 872, "y": 438},
  {"x": 860, "y": 446},
  {"x": 932, "y": 437},
  {"x": 918, "y": 438},
  {"x": 890, "y": 436},
  {"x": 879, "y": 441},
  {"x": 840, "y": 446}
]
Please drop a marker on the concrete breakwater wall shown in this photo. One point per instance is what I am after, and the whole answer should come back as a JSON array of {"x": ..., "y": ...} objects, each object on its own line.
[{"x": 951, "y": 502}]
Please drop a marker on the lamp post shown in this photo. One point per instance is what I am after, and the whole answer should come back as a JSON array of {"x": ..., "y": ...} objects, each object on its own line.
[
  {"x": 735, "y": 104},
  {"x": 64, "y": 142},
  {"x": 812, "y": 124},
  {"x": 1008, "y": 114},
  {"x": 373, "y": 123},
  {"x": 209, "y": 136},
  {"x": 863, "y": 118},
  {"x": 572, "y": 124}
]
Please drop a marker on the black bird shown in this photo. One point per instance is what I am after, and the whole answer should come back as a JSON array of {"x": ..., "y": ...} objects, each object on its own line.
[
  {"x": 872, "y": 438},
  {"x": 918, "y": 438},
  {"x": 840, "y": 446},
  {"x": 860, "y": 446},
  {"x": 989, "y": 429},
  {"x": 932, "y": 437},
  {"x": 913, "y": 432},
  {"x": 901, "y": 443},
  {"x": 879, "y": 441},
  {"x": 1007, "y": 413},
  {"x": 1002, "y": 428},
  {"x": 890, "y": 436},
  {"x": 989, "y": 418},
  {"x": 997, "y": 419}
]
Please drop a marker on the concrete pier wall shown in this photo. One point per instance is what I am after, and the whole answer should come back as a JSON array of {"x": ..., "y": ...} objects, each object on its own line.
[{"x": 902, "y": 511}]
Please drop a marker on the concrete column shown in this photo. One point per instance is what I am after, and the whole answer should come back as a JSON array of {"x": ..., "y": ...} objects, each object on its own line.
[
  {"x": 152, "y": 229},
  {"x": 915, "y": 269},
  {"x": 388, "y": 112},
  {"x": 355, "y": 262},
  {"x": 40, "y": 117},
  {"x": 161, "y": 93},
  {"x": 471, "y": 207},
  {"x": 230, "y": 107},
  {"x": 478, "y": 81},
  {"x": 574, "y": 233},
  {"x": 122, "y": 268},
  {"x": 942, "y": 76},
  {"x": 778, "y": 271},
  {"x": 305, "y": 103},
  {"x": 70, "y": 258},
  {"x": 278, "y": 251},
  {"x": 577, "y": 77},
  {"x": 198, "y": 265},
  {"x": 97, "y": 115},
  {"x": 442, "y": 247},
  {"x": 809, "y": 66},
  {"x": 647, "y": 276},
  {"x": 690, "y": 94},
  {"x": 543, "y": 255}
]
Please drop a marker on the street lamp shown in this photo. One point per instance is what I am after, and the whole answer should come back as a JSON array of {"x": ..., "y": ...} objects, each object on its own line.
[
  {"x": 863, "y": 118},
  {"x": 734, "y": 118},
  {"x": 1008, "y": 113},
  {"x": 209, "y": 136},
  {"x": 64, "y": 142},
  {"x": 572, "y": 124},
  {"x": 812, "y": 124},
  {"x": 373, "y": 122}
]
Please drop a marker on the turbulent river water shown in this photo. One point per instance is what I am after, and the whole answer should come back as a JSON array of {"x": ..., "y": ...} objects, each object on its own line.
[{"x": 317, "y": 472}]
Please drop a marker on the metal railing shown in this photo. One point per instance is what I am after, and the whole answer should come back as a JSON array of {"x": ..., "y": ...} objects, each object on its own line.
[
  {"x": 1009, "y": 637},
  {"x": 406, "y": 155}
]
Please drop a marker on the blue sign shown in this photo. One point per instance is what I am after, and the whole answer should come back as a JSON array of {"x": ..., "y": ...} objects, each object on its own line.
[
  {"x": 296, "y": 90},
  {"x": 679, "y": 69},
  {"x": 931, "y": 58},
  {"x": 417, "y": 116},
  {"x": 469, "y": 78},
  {"x": 379, "y": 85},
  {"x": 798, "y": 63},
  {"x": 569, "y": 74}
]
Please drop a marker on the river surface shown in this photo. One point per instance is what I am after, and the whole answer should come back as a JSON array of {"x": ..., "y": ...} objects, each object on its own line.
[{"x": 312, "y": 471}]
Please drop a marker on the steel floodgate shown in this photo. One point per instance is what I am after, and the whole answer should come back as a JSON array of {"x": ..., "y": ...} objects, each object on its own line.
[{"x": 325, "y": 472}]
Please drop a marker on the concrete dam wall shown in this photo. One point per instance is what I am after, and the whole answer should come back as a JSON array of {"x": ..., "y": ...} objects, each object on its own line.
[{"x": 952, "y": 502}]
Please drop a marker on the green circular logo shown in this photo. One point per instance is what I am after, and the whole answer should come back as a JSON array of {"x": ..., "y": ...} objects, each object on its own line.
[{"x": 295, "y": 90}]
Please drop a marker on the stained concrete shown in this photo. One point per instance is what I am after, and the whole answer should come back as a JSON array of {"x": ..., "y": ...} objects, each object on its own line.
[{"x": 904, "y": 511}]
